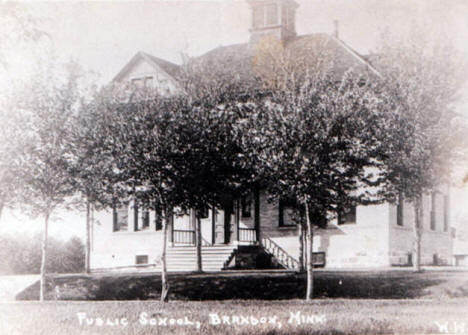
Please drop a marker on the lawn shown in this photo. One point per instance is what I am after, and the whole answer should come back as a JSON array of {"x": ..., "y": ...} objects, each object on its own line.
[
  {"x": 324, "y": 316},
  {"x": 371, "y": 302},
  {"x": 257, "y": 286}
]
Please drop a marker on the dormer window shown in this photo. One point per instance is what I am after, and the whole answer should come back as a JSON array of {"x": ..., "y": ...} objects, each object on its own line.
[{"x": 265, "y": 15}]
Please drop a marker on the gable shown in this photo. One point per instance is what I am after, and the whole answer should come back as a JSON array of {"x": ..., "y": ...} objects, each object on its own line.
[
  {"x": 141, "y": 69},
  {"x": 144, "y": 70}
]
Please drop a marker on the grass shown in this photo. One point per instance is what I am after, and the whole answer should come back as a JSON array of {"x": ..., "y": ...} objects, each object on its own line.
[
  {"x": 326, "y": 316},
  {"x": 257, "y": 286}
]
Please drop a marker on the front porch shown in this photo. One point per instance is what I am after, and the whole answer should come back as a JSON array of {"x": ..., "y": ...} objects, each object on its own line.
[{"x": 237, "y": 223}]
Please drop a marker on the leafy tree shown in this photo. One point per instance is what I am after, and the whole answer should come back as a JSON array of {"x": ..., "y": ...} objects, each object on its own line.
[
  {"x": 317, "y": 144},
  {"x": 313, "y": 138},
  {"x": 421, "y": 79},
  {"x": 216, "y": 171},
  {"x": 133, "y": 134},
  {"x": 90, "y": 164},
  {"x": 44, "y": 109}
]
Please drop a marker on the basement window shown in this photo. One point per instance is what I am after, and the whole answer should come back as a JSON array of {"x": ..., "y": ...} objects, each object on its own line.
[{"x": 141, "y": 259}]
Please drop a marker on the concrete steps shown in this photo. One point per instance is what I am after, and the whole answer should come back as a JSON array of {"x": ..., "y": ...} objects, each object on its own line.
[{"x": 184, "y": 258}]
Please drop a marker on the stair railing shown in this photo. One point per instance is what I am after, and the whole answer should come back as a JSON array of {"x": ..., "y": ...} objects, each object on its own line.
[
  {"x": 184, "y": 236},
  {"x": 280, "y": 254}
]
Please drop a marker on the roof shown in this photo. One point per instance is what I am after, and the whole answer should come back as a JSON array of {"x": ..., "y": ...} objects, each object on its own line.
[
  {"x": 241, "y": 57},
  {"x": 344, "y": 57},
  {"x": 160, "y": 64}
]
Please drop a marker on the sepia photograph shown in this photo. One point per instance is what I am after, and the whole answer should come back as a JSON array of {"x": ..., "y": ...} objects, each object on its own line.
[{"x": 234, "y": 167}]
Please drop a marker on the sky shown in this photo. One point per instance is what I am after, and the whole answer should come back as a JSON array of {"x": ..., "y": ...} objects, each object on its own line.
[{"x": 102, "y": 36}]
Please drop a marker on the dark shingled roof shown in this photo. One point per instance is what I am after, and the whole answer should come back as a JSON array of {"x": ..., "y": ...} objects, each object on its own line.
[
  {"x": 343, "y": 56},
  {"x": 240, "y": 57}
]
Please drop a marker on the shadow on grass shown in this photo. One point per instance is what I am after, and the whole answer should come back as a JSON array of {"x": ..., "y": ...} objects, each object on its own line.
[{"x": 263, "y": 286}]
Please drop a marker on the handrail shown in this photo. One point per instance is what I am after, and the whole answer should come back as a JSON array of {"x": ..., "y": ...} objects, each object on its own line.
[
  {"x": 205, "y": 243},
  {"x": 247, "y": 234},
  {"x": 184, "y": 236},
  {"x": 280, "y": 254}
]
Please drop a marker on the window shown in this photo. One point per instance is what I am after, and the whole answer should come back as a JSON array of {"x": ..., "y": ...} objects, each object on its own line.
[
  {"x": 138, "y": 82},
  {"x": 258, "y": 17},
  {"x": 433, "y": 210},
  {"x": 264, "y": 16},
  {"x": 158, "y": 219},
  {"x": 400, "y": 209},
  {"x": 135, "y": 216},
  {"x": 204, "y": 213},
  {"x": 120, "y": 218},
  {"x": 246, "y": 204},
  {"x": 141, "y": 259},
  {"x": 288, "y": 17},
  {"x": 446, "y": 213},
  {"x": 286, "y": 214},
  {"x": 145, "y": 219},
  {"x": 271, "y": 13},
  {"x": 347, "y": 216},
  {"x": 148, "y": 81}
]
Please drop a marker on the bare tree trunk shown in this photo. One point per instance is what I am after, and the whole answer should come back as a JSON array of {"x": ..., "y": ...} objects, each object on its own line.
[
  {"x": 301, "y": 247},
  {"x": 310, "y": 265},
  {"x": 164, "y": 279},
  {"x": 198, "y": 242},
  {"x": 88, "y": 239},
  {"x": 304, "y": 253},
  {"x": 417, "y": 229},
  {"x": 44, "y": 257}
]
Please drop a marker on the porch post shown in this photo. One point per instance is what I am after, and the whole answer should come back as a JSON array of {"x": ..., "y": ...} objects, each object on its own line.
[
  {"x": 257, "y": 215},
  {"x": 170, "y": 221},
  {"x": 236, "y": 220},
  {"x": 213, "y": 224},
  {"x": 193, "y": 224},
  {"x": 152, "y": 220}
]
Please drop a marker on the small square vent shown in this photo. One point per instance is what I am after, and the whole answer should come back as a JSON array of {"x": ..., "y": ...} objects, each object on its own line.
[{"x": 141, "y": 259}]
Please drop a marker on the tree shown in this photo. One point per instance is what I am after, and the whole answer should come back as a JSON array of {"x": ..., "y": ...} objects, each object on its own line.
[
  {"x": 313, "y": 138},
  {"x": 214, "y": 93},
  {"x": 90, "y": 166},
  {"x": 421, "y": 78},
  {"x": 44, "y": 108},
  {"x": 134, "y": 134},
  {"x": 317, "y": 144},
  {"x": 19, "y": 34}
]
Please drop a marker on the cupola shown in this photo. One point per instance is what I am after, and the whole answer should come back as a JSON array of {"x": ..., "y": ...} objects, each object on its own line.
[{"x": 273, "y": 17}]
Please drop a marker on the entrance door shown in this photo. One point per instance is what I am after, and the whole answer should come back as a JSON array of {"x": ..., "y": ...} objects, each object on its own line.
[{"x": 224, "y": 225}]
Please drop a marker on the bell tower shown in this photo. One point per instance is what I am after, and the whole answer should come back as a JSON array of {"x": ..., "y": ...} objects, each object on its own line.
[{"x": 273, "y": 17}]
